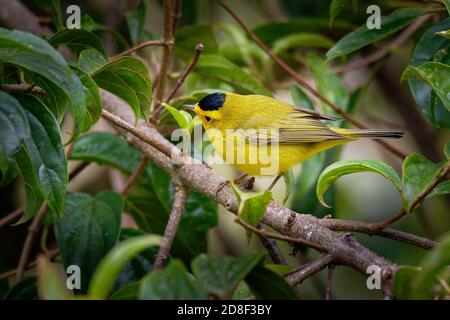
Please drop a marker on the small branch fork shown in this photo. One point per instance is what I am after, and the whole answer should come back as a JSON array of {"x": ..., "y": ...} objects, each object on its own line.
[
  {"x": 171, "y": 227},
  {"x": 303, "y": 83},
  {"x": 296, "y": 277}
]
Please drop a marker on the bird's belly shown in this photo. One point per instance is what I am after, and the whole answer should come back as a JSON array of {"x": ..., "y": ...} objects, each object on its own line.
[{"x": 260, "y": 159}]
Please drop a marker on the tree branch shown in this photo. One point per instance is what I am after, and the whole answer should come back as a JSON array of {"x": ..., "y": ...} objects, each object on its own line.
[
  {"x": 296, "y": 277},
  {"x": 143, "y": 45},
  {"x": 11, "y": 217},
  {"x": 136, "y": 174},
  {"x": 329, "y": 282},
  {"x": 172, "y": 226},
  {"x": 304, "y": 84}
]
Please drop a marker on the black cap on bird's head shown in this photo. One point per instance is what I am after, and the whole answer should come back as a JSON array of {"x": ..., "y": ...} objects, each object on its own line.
[{"x": 212, "y": 101}]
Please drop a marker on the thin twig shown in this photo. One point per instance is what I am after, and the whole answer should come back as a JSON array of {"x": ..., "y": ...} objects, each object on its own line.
[
  {"x": 136, "y": 174},
  {"x": 50, "y": 254},
  {"x": 329, "y": 282},
  {"x": 303, "y": 83},
  {"x": 11, "y": 217},
  {"x": 266, "y": 234},
  {"x": 272, "y": 248},
  {"x": 22, "y": 88},
  {"x": 198, "y": 50},
  {"x": 367, "y": 228},
  {"x": 296, "y": 277},
  {"x": 176, "y": 15},
  {"x": 172, "y": 226},
  {"x": 402, "y": 212},
  {"x": 379, "y": 54},
  {"x": 143, "y": 45},
  {"x": 168, "y": 37}
]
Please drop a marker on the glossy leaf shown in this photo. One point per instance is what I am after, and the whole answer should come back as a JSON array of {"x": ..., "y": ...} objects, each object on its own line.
[
  {"x": 363, "y": 36},
  {"x": 217, "y": 67},
  {"x": 436, "y": 75},
  {"x": 431, "y": 47},
  {"x": 252, "y": 206},
  {"x": 301, "y": 39},
  {"x": 267, "y": 284},
  {"x": 187, "y": 38},
  {"x": 128, "y": 292},
  {"x": 88, "y": 230},
  {"x": 343, "y": 167},
  {"x": 77, "y": 39},
  {"x": 171, "y": 283},
  {"x": 93, "y": 99},
  {"x": 51, "y": 283},
  {"x": 41, "y": 160},
  {"x": 111, "y": 265},
  {"x": 442, "y": 188},
  {"x": 129, "y": 79},
  {"x": 221, "y": 275},
  {"x": 183, "y": 119},
  {"x": 418, "y": 172},
  {"x": 91, "y": 60}
]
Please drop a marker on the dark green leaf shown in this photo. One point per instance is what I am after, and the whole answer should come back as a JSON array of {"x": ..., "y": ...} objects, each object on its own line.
[
  {"x": 93, "y": 100},
  {"x": 217, "y": 67},
  {"x": 441, "y": 189},
  {"x": 252, "y": 206},
  {"x": 336, "y": 7},
  {"x": 77, "y": 40},
  {"x": 447, "y": 150},
  {"x": 221, "y": 275},
  {"x": 87, "y": 23},
  {"x": 418, "y": 172},
  {"x": 135, "y": 21},
  {"x": 363, "y": 36},
  {"x": 91, "y": 60},
  {"x": 41, "y": 160},
  {"x": 24, "y": 290},
  {"x": 343, "y": 167},
  {"x": 267, "y": 284},
  {"x": 403, "y": 280},
  {"x": 431, "y": 47},
  {"x": 188, "y": 37},
  {"x": 129, "y": 79},
  {"x": 88, "y": 230},
  {"x": 434, "y": 74},
  {"x": 171, "y": 283},
  {"x": 447, "y": 5},
  {"x": 300, "y": 98}
]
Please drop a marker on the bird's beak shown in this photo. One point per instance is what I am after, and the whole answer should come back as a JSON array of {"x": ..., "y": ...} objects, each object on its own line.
[{"x": 189, "y": 107}]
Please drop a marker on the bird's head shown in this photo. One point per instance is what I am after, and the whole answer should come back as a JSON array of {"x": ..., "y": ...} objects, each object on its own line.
[{"x": 210, "y": 109}]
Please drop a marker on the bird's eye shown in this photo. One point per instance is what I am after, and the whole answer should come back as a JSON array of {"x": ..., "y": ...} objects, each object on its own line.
[{"x": 208, "y": 119}]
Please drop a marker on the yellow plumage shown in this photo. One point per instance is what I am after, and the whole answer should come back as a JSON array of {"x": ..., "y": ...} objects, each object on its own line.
[{"x": 242, "y": 126}]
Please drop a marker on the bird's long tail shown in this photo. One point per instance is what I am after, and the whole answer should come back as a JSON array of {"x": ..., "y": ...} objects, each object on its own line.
[{"x": 370, "y": 133}]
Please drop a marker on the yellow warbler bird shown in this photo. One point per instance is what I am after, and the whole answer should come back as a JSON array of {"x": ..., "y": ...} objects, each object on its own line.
[{"x": 261, "y": 136}]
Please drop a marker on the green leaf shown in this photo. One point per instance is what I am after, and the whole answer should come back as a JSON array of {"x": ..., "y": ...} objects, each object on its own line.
[
  {"x": 77, "y": 40},
  {"x": 51, "y": 284},
  {"x": 418, "y": 172},
  {"x": 91, "y": 60},
  {"x": 183, "y": 119},
  {"x": 129, "y": 79},
  {"x": 171, "y": 283},
  {"x": 267, "y": 284},
  {"x": 252, "y": 206},
  {"x": 41, "y": 160},
  {"x": 301, "y": 39},
  {"x": 441, "y": 189},
  {"x": 53, "y": 74},
  {"x": 436, "y": 75},
  {"x": 289, "y": 180},
  {"x": 93, "y": 99},
  {"x": 221, "y": 275},
  {"x": 447, "y": 150},
  {"x": 327, "y": 82},
  {"x": 88, "y": 230},
  {"x": 24, "y": 290},
  {"x": 431, "y": 47},
  {"x": 402, "y": 280},
  {"x": 188, "y": 37},
  {"x": 363, "y": 36},
  {"x": 447, "y": 5},
  {"x": 343, "y": 167},
  {"x": 217, "y": 67},
  {"x": 128, "y": 292},
  {"x": 14, "y": 129},
  {"x": 300, "y": 98},
  {"x": 87, "y": 23},
  {"x": 111, "y": 265},
  {"x": 135, "y": 22},
  {"x": 445, "y": 34}
]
